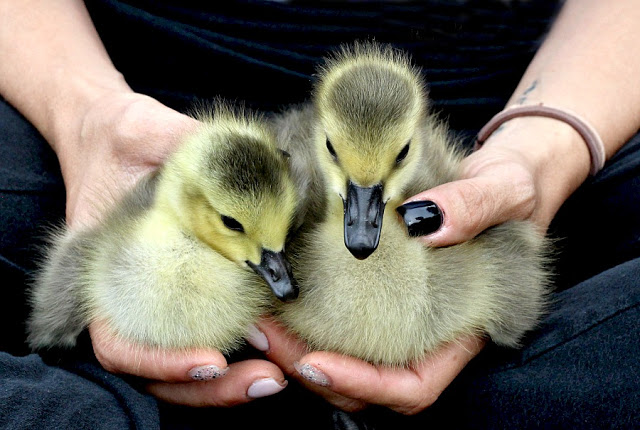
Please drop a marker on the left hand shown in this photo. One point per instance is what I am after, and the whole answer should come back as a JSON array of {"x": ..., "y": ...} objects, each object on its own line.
[
  {"x": 526, "y": 171},
  {"x": 352, "y": 384}
]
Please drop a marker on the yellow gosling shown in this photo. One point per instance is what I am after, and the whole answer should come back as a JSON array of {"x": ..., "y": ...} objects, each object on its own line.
[
  {"x": 187, "y": 258},
  {"x": 367, "y": 288}
]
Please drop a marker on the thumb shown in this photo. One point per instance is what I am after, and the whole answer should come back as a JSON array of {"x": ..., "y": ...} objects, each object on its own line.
[{"x": 462, "y": 209}]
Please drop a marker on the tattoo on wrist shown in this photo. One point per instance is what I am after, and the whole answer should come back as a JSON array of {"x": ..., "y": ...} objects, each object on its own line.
[{"x": 526, "y": 92}]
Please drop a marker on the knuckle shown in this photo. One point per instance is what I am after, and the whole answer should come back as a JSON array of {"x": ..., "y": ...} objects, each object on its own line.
[
  {"x": 484, "y": 203},
  {"x": 520, "y": 191},
  {"x": 131, "y": 125},
  {"x": 477, "y": 206}
]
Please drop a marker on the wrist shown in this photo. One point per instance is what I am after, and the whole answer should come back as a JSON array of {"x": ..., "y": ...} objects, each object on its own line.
[
  {"x": 554, "y": 153},
  {"x": 70, "y": 103},
  {"x": 588, "y": 134},
  {"x": 70, "y": 120}
]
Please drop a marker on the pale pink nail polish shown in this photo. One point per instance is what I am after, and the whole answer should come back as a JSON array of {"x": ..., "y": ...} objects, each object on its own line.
[
  {"x": 257, "y": 339},
  {"x": 265, "y": 387}
]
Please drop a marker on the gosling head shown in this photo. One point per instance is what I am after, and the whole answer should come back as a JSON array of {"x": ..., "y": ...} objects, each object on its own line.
[
  {"x": 370, "y": 104},
  {"x": 229, "y": 185}
]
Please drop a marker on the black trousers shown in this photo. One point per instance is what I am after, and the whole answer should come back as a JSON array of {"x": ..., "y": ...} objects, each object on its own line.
[{"x": 579, "y": 369}]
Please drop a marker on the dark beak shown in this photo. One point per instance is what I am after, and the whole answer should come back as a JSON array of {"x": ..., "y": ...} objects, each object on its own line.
[
  {"x": 276, "y": 270},
  {"x": 363, "y": 211}
]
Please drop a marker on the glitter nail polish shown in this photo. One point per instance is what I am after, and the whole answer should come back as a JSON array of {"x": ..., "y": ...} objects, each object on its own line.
[
  {"x": 312, "y": 374},
  {"x": 207, "y": 372}
]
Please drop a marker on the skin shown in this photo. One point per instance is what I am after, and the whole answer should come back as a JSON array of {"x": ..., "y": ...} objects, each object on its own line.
[{"x": 106, "y": 137}]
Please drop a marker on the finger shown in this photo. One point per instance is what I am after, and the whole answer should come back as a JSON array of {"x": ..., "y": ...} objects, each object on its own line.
[
  {"x": 120, "y": 356},
  {"x": 286, "y": 350},
  {"x": 405, "y": 390},
  {"x": 244, "y": 382},
  {"x": 469, "y": 206}
]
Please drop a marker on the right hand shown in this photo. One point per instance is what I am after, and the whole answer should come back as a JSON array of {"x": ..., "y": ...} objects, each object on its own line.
[{"x": 122, "y": 137}]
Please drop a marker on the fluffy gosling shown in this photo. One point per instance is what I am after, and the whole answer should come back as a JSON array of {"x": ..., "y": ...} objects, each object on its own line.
[
  {"x": 373, "y": 144},
  {"x": 187, "y": 258}
]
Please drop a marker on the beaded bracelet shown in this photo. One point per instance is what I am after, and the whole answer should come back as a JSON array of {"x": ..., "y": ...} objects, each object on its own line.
[{"x": 586, "y": 130}]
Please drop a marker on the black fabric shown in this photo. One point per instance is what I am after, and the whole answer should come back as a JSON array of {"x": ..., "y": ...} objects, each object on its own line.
[
  {"x": 31, "y": 198},
  {"x": 34, "y": 395},
  {"x": 598, "y": 227},
  {"x": 266, "y": 52},
  {"x": 578, "y": 370}
]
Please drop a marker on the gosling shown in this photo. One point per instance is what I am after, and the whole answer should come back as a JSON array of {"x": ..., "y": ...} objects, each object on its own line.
[
  {"x": 368, "y": 289},
  {"x": 185, "y": 260}
]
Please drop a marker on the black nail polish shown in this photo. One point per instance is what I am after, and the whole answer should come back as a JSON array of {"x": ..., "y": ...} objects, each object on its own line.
[{"x": 421, "y": 217}]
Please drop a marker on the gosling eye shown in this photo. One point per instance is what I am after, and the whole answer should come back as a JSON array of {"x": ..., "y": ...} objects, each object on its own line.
[
  {"x": 403, "y": 154},
  {"x": 284, "y": 153},
  {"x": 232, "y": 224},
  {"x": 331, "y": 150}
]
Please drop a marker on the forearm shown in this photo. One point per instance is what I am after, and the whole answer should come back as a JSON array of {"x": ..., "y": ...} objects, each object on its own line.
[
  {"x": 589, "y": 64},
  {"x": 54, "y": 65},
  {"x": 57, "y": 73}
]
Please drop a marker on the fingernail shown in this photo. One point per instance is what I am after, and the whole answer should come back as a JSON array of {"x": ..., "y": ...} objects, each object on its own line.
[
  {"x": 257, "y": 339},
  {"x": 312, "y": 374},
  {"x": 421, "y": 217},
  {"x": 265, "y": 387},
  {"x": 207, "y": 373}
]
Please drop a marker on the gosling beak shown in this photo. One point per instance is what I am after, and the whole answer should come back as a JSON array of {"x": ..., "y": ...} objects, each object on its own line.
[
  {"x": 276, "y": 270},
  {"x": 363, "y": 211}
]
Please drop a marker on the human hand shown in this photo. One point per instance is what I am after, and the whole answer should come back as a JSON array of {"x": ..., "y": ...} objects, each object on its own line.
[
  {"x": 198, "y": 377},
  {"x": 524, "y": 171},
  {"x": 122, "y": 137},
  {"x": 352, "y": 384}
]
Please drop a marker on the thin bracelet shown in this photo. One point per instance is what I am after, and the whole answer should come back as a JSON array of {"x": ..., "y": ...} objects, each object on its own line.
[{"x": 586, "y": 130}]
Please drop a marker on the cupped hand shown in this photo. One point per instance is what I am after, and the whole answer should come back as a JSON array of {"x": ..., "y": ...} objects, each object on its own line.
[
  {"x": 352, "y": 384},
  {"x": 197, "y": 377},
  {"x": 122, "y": 137}
]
